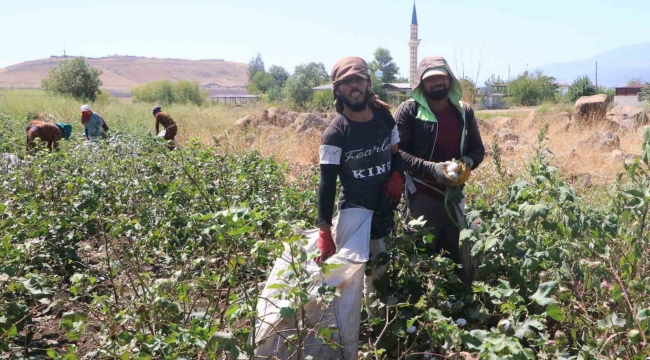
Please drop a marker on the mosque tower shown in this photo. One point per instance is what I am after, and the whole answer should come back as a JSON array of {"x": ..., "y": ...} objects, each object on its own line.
[{"x": 413, "y": 44}]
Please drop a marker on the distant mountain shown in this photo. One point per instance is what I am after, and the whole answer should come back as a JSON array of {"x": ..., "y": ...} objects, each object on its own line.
[
  {"x": 615, "y": 67},
  {"x": 121, "y": 73}
]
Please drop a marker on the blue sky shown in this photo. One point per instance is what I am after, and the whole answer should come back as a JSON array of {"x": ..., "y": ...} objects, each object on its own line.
[{"x": 290, "y": 32}]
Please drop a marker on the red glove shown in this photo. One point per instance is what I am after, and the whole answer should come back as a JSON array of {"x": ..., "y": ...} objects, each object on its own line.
[
  {"x": 393, "y": 187},
  {"x": 326, "y": 245}
]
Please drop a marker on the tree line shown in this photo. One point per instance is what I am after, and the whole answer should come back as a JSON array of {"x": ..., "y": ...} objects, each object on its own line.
[{"x": 77, "y": 79}]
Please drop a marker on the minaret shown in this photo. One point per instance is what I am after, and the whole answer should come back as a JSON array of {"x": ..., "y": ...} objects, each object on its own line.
[{"x": 413, "y": 44}]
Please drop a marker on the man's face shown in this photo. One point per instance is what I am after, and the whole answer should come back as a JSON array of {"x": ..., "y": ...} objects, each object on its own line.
[
  {"x": 436, "y": 87},
  {"x": 86, "y": 113},
  {"x": 353, "y": 92}
]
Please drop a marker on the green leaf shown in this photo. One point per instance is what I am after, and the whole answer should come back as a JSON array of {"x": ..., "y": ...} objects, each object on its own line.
[
  {"x": 554, "y": 312},
  {"x": 643, "y": 315},
  {"x": 277, "y": 286},
  {"x": 533, "y": 212},
  {"x": 241, "y": 230},
  {"x": 325, "y": 332},
  {"x": 287, "y": 312},
  {"x": 545, "y": 289},
  {"x": 51, "y": 353},
  {"x": 412, "y": 321},
  {"x": 232, "y": 309},
  {"x": 204, "y": 217},
  {"x": 634, "y": 193},
  {"x": 472, "y": 341},
  {"x": 480, "y": 334},
  {"x": 69, "y": 318},
  {"x": 530, "y": 354},
  {"x": 611, "y": 321},
  {"x": 491, "y": 242}
]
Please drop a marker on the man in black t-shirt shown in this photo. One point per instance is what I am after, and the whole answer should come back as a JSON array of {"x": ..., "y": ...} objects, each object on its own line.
[{"x": 360, "y": 147}]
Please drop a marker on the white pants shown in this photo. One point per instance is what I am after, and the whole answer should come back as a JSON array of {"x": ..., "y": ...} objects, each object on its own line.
[{"x": 361, "y": 249}]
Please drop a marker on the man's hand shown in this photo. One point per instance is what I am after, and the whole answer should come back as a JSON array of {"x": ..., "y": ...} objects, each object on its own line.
[
  {"x": 437, "y": 171},
  {"x": 325, "y": 245},
  {"x": 393, "y": 187},
  {"x": 468, "y": 161}
]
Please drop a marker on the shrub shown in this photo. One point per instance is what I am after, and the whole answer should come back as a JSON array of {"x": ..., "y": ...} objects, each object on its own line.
[
  {"x": 275, "y": 94},
  {"x": 186, "y": 91},
  {"x": 165, "y": 92},
  {"x": 74, "y": 78},
  {"x": 581, "y": 86},
  {"x": 644, "y": 94},
  {"x": 533, "y": 89},
  {"x": 322, "y": 101},
  {"x": 261, "y": 83}
]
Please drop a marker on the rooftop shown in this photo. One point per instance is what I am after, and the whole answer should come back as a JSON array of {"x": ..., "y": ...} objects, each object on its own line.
[
  {"x": 221, "y": 96},
  {"x": 401, "y": 86},
  {"x": 635, "y": 86},
  {"x": 323, "y": 87}
]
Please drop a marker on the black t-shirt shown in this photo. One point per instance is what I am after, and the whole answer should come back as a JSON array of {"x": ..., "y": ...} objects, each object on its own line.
[{"x": 363, "y": 151}]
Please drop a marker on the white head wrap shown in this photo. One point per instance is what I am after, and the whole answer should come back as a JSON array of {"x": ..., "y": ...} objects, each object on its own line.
[{"x": 85, "y": 108}]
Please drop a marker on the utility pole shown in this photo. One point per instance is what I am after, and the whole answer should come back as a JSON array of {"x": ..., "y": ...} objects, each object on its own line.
[
  {"x": 508, "y": 80},
  {"x": 596, "y": 75}
]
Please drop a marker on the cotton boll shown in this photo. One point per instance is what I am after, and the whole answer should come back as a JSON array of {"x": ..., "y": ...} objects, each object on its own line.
[
  {"x": 452, "y": 167},
  {"x": 453, "y": 175},
  {"x": 411, "y": 329},
  {"x": 504, "y": 325},
  {"x": 461, "y": 322}
]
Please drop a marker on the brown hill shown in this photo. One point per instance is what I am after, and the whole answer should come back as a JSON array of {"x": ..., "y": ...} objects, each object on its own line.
[{"x": 121, "y": 73}]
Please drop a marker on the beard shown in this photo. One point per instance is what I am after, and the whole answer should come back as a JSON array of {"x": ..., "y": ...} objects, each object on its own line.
[
  {"x": 357, "y": 105},
  {"x": 436, "y": 94}
]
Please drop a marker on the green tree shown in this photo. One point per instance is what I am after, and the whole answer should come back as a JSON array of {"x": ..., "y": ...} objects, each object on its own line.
[
  {"x": 581, "y": 86},
  {"x": 298, "y": 87},
  {"x": 634, "y": 81},
  {"x": 280, "y": 75},
  {"x": 378, "y": 87},
  {"x": 644, "y": 94},
  {"x": 469, "y": 89},
  {"x": 532, "y": 89},
  {"x": 384, "y": 62},
  {"x": 261, "y": 83},
  {"x": 315, "y": 73},
  {"x": 256, "y": 64},
  {"x": 74, "y": 78},
  {"x": 495, "y": 80}
]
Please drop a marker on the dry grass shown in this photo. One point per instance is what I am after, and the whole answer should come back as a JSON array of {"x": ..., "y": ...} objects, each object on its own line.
[
  {"x": 584, "y": 168},
  {"x": 588, "y": 170}
]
